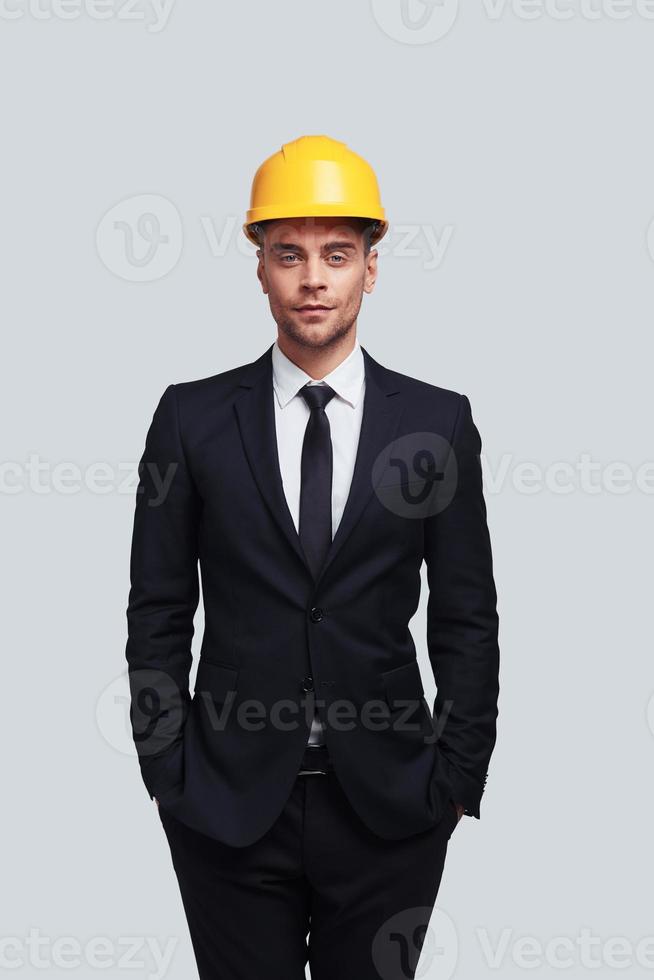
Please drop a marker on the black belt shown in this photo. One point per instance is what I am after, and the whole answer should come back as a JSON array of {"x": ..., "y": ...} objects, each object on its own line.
[{"x": 315, "y": 760}]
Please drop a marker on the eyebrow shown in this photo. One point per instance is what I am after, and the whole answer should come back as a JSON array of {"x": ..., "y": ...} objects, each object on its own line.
[{"x": 291, "y": 247}]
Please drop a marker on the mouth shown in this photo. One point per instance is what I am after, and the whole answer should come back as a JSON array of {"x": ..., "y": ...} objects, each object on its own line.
[{"x": 309, "y": 308}]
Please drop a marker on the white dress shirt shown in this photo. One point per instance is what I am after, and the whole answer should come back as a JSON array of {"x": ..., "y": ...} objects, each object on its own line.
[{"x": 344, "y": 412}]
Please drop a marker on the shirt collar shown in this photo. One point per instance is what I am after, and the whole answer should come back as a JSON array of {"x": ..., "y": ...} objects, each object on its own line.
[{"x": 346, "y": 379}]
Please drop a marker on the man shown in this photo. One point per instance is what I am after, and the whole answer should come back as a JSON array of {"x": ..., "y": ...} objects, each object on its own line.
[{"x": 306, "y": 788}]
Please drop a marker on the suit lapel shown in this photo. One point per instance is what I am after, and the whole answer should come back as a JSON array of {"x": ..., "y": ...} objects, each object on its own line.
[
  {"x": 382, "y": 408},
  {"x": 256, "y": 420}
]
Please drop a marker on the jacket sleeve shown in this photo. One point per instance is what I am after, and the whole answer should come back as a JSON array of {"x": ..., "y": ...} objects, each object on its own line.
[
  {"x": 462, "y": 620},
  {"x": 163, "y": 596}
]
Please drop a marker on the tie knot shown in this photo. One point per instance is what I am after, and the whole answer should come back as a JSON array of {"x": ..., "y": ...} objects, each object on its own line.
[{"x": 317, "y": 396}]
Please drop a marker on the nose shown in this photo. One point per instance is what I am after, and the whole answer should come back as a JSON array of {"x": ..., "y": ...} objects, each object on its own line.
[{"x": 313, "y": 274}]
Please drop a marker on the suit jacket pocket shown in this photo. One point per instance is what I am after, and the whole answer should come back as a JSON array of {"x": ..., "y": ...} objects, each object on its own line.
[
  {"x": 216, "y": 680},
  {"x": 405, "y": 696},
  {"x": 403, "y": 684},
  {"x": 162, "y": 773}
]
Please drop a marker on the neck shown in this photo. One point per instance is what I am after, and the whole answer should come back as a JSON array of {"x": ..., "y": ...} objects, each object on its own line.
[{"x": 317, "y": 362}]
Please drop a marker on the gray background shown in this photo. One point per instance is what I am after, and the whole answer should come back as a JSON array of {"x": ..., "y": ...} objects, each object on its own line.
[{"x": 524, "y": 146}]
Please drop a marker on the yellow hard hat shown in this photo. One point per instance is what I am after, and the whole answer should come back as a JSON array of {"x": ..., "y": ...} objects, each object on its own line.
[{"x": 315, "y": 176}]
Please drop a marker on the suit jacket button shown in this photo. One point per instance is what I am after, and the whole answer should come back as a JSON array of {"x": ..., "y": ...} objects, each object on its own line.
[
  {"x": 307, "y": 684},
  {"x": 316, "y": 614}
]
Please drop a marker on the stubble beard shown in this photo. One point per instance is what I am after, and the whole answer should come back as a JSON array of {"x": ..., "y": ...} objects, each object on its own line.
[{"x": 312, "y": 339}]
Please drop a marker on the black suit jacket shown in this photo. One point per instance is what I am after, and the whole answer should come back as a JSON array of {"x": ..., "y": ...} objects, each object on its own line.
[{"x": 210, "y": 493}]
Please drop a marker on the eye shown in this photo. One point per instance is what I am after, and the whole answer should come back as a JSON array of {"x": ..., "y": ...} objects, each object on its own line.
[
  {"x": 290, "y": 255},
  {"x": 341, "y": 257}
]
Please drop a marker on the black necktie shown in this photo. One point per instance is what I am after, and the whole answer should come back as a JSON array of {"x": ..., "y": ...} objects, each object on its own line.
[{"x": 316, "y": 487}]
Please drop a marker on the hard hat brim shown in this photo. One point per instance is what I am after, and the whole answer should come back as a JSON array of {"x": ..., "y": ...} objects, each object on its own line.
[{"x": 315, "y": 211}]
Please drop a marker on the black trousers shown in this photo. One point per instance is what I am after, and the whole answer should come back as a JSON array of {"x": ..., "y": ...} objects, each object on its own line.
[{"x": 319, "y": 873}]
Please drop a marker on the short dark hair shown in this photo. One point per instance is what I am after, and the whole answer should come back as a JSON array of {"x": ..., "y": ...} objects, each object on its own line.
[{"x": 365, "y": 226}]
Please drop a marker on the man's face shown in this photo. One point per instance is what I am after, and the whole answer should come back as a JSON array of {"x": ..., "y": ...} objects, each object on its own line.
[{"x": 314, "y": 273}]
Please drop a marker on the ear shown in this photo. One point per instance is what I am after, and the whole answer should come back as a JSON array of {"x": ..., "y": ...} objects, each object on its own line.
[
  {"x": 261, "y": 271},
  {"x": 370, "y": 277}
]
